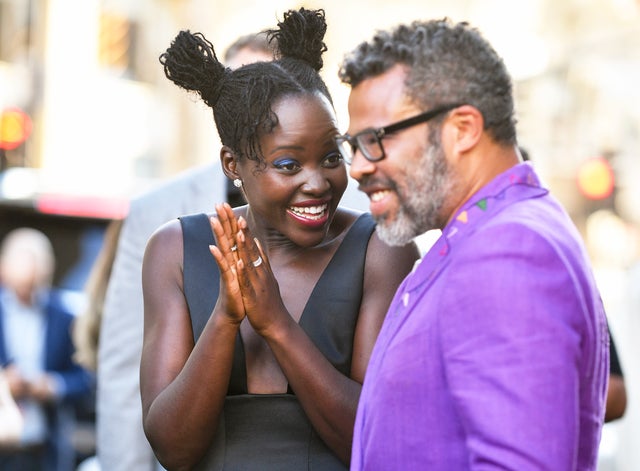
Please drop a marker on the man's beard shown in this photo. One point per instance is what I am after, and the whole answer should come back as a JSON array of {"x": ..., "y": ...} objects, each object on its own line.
[{"x": 421, "y": 196}]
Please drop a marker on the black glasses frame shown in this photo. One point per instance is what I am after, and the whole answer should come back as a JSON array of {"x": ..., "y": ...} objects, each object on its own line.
[{"x": 355, "y": 141}]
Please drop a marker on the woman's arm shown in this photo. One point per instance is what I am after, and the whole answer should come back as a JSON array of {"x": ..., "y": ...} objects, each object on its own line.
[
  {"x": 183, "y": 386},
  {"x": 386, "y": 267}
]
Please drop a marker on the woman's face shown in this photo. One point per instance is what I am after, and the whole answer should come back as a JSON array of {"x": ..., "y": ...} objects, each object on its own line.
[{"x": 296, "y": 192}]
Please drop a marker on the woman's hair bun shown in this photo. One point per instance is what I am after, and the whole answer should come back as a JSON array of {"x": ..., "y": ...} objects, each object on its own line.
[
  {"x": 300, "y": 36},
  {"x": 191, "y": 63}
]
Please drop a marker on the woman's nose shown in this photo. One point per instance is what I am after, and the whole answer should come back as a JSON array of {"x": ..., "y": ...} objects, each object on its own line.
[{"x": 317, "y": 182}]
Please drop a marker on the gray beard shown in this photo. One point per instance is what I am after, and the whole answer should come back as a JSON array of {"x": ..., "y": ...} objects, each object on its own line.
[{"x": 422, "y": 195}]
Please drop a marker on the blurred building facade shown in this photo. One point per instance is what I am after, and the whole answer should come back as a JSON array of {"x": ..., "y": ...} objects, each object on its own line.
[
  {"x": 87, "y": 74},
  {"x": 105, "y": 122}
]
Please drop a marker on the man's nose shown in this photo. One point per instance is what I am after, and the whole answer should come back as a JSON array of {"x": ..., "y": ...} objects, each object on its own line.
[{"x": 360, "y": 166}]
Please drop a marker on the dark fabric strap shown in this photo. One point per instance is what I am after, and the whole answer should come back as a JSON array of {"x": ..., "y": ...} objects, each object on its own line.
[
  {"x": 331, "y": 313},
  {"x": 202, "y": 286}
]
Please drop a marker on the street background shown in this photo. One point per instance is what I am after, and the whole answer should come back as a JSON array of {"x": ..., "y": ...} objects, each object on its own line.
[{"x": 89, "y": 120}]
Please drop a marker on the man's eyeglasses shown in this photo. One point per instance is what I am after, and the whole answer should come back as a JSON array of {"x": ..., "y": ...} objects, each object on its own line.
[{"x": 369, "y": 141}]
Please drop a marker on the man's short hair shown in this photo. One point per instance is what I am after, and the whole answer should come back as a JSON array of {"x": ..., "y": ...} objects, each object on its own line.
[
  {"x": 258, "y": 42},
  {"x": 446, "y": 63}
]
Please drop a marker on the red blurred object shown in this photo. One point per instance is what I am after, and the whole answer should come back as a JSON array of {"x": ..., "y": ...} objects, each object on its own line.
[
  {"x": 596, "y": 179},
  {"x": 15, "y": 128},
  {"x": 83, "y": 206}
]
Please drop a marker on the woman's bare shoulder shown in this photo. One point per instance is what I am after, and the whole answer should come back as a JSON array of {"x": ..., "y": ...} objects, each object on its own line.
[
  {"x": 402, "y": 258},
  {"x": 344, "y": 219},
  {"x": 165, "y": 240}
]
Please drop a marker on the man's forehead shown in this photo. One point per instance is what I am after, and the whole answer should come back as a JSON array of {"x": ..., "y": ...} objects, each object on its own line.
[
  {"x": 248, "y": 56},
  {"x": 378, "y": 100},
  {"x": 391, "y": 79}
]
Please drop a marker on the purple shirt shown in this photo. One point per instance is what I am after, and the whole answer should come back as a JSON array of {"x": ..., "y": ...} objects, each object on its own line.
[{"x": 494, "y": 351}]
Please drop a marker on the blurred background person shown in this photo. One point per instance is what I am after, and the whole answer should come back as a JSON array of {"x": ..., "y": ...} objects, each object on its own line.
[
  {"x": 121, "y": 443},
  {"x": 86, "y": 328},
  {"x": 616, "y": 390},
  {"x": 86, "y": 334},
  {"x": 35, "y": 343},
  {"x": 11, "y": 422}
]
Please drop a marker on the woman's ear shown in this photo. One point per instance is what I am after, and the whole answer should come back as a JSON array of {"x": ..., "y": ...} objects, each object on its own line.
[
  {"x": 466, "y": 125},
  {"x": 228, "y": 162}
]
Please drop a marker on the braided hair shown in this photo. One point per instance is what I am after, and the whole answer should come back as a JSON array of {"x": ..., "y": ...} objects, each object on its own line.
[{"x": 242, "y": 99}]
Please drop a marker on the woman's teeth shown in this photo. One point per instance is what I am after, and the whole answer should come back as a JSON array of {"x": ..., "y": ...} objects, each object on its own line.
[{"x": 309, "y": 212}]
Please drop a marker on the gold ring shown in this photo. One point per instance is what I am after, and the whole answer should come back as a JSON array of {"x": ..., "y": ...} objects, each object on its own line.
[{"x": 257, "y": 262}]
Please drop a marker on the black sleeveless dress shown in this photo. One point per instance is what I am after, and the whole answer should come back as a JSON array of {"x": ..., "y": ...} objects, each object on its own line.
[{"x": 271, "y": 431}]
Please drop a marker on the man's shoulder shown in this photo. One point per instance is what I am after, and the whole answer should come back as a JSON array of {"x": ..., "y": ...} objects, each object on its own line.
[
  {"x": 536, "y": 229},
  {"x": 191, "y": 181},
  {"x": 194, "y": 190},
  {"x": 541, "y": 215}
]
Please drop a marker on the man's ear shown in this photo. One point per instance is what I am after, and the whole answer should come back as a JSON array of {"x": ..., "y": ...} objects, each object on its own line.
[
  {"x": 466, "y": 125},
  {"x": 228, "y": 162}
]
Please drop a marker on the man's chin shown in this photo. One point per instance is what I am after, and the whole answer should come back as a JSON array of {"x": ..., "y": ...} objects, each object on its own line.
[{"x": 394, "y": 233}]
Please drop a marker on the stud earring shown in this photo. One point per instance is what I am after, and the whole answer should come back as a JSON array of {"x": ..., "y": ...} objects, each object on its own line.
[{"x": 237, "y": 183}]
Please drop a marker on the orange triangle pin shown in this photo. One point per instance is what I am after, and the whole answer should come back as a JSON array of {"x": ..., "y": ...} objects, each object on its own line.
[{"x": 462, "y": 217}]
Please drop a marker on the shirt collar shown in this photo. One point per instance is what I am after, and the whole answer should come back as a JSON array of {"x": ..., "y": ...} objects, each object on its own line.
[
  {"x": 520, "y": 179},
  {"x": 520, "y": 182}
]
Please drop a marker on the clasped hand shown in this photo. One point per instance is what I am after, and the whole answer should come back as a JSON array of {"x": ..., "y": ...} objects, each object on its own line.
[{"x": 247, "y": 284}]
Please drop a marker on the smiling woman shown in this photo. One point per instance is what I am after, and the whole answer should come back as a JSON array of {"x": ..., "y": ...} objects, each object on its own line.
[
  {"x": 259, "y": 321},
  {"x": 299, "y": 154}
]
